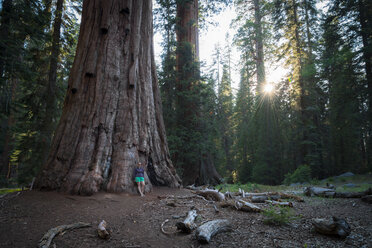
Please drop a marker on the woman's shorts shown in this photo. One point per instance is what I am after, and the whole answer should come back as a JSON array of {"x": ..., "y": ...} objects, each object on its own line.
[{"x": 139, "y": 179}]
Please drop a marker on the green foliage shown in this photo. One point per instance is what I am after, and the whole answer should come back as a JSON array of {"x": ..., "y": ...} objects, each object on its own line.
[
  {"x": 24, "y": 82},
  {"x": 278, "y": 215},
  {"x": 7, "y": 191},
  {"x": 301, "y": 175}
]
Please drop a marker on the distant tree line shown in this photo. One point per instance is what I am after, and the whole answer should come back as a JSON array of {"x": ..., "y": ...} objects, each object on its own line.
[{"x": 318, "y": 116}]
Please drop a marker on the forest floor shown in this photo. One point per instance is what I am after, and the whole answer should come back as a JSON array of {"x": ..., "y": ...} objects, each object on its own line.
[{"x": 135, "y": 221}]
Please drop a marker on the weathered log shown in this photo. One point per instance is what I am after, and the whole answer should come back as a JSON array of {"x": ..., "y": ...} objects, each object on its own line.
[
  {"x": 278, "y": 203},
  {"x": 205, "y": 232},
  {"x": 102, "y": 230},
  {"x": 263, "y": 198},
  {"x": 188, "y": 225},
  {"x": 241, "y": 205},
  {"x": 260, "y": 194},
  {"x": 291, "y": 196},
  {"x": 334, "y": 226},
  {"x": 367, "y": 198},
  {"x": 247, "y": 207},
  {"x": 211, "y": 194},
  {"x": 228, "y": 195},
  {"x": 349, "y": 194},
  {"x": 318, "y": 191},
  {"x": 46, "y": 240}
]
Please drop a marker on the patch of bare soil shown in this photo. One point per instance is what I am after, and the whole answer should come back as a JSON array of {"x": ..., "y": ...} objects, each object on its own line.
[{"x": 135, "y": 221}]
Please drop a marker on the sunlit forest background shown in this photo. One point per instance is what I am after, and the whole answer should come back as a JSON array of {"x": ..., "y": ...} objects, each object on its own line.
[{"x": 315, "y": 121}]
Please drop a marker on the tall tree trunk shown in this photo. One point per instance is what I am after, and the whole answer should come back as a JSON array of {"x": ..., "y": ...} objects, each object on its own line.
[
  {"x": 50, "y": 96},
  {"x": 112, "y": 115},
  {"x": 6, "y": 13},
  {"x": 7, "y": 148},
  {"x": 199, "y": 171},
  {"x": 365, "y": 19},
  {"x": 259, "y": 46},
  {"x": 4, "y": 97},
  {"x": 301, "y": 84}
]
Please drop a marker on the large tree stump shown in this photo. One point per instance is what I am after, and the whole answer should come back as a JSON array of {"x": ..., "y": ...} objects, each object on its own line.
[
  {"x": 188, "y": 225},
  {"x": 205, "y": 232},
  {"x": 334, "y": 226},
  {"x": 46, "y": 240}
]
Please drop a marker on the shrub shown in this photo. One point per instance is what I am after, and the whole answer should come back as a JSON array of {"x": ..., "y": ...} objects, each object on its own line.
[
  {"x": 300, "y": 175},
  {"x": 278, "y": 215}
]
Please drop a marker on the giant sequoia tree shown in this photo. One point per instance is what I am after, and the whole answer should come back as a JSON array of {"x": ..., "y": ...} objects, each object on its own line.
[
  {"x": 194, "y": 156},
  {"x": 112, "y": 115}
]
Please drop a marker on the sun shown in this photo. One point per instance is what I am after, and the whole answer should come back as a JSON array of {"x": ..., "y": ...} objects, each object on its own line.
[{"x": 268, "y": 88}]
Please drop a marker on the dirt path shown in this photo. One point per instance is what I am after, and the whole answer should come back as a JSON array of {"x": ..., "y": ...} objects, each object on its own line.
[{"x": 136, "y": 221}]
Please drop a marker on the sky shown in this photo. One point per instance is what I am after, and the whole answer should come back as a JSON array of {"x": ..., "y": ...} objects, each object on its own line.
[{"x": 217, "y": 34}]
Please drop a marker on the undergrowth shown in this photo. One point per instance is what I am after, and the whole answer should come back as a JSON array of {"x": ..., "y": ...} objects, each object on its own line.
[
  {"x": 279, "y": 215},
  {"x": 6, "y": 191}
]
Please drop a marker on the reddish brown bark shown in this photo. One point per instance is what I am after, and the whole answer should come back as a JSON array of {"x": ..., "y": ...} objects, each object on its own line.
[
  {"x": 112, "y": 115},
  {"x": 202, "y": 170}
]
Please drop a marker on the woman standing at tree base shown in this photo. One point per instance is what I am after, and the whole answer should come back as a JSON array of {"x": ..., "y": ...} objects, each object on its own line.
[{"x": 140, "y": 178}]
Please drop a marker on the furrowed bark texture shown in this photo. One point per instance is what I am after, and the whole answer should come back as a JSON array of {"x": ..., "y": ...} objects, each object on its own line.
[
  {"x": 112, "y": 115},
  {"x": 188, "y": 74}
]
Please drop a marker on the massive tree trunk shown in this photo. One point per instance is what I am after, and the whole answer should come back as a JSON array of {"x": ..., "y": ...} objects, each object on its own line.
[
  {"x": 112, "y": 115},
  {"x": 195, "y": 167}
]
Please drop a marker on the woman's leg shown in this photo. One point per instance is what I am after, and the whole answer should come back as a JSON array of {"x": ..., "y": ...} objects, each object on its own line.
[
  {"x": 143, "y": 187},
  {"x": 139, "y": 188}
]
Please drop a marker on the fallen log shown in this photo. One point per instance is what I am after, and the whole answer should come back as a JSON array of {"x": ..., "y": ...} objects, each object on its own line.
[
  {"x": 188, "y": 225},
  {"x": 211, "y": 194},
  {"x": 325, "y": 192},
  {"x": 263, "y": 198},
  {"x": 278, "y": 203},
  {"x": 46, "y": 240},
  {"x": 318, "y": 191},
  {"x": 367, "y": 198},
  {"x": 349, "y": 194},
  {"x": 260, "y": 194},
  {"x": 205, "y": 232},
  {"x": 334, "y": 226},
  {"x": 246, "y": 206},
  {"x": 241, "y": 205},
  {"x": 291, "y": 196},
  {"x": 102, "y": 230}
]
